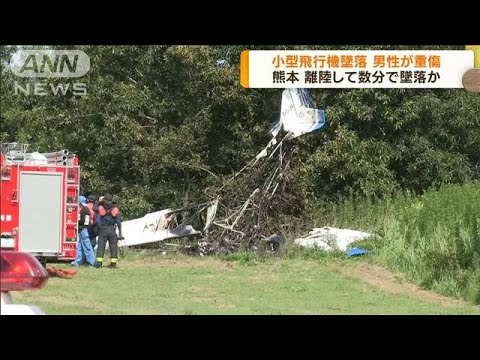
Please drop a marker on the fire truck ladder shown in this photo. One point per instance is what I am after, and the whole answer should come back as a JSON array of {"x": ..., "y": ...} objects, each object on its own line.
[{"x": 16, "y": 153}]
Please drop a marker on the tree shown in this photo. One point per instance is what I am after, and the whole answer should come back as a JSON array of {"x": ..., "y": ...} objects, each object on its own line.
[{"x": 159, "y": 124}]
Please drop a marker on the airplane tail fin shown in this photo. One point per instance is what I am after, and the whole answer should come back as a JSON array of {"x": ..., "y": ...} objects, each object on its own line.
[{"x": 298, "y": 116}]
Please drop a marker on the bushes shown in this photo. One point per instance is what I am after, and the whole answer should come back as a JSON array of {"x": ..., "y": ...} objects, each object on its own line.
[{"x": 434, "y": 239}]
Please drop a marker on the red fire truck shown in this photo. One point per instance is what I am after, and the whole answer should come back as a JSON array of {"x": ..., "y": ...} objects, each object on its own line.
[{"x": 39, "y": 202}]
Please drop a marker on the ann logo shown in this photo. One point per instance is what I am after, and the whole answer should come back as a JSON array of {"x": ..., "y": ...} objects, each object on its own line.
[{"x": 50, "y": 63}]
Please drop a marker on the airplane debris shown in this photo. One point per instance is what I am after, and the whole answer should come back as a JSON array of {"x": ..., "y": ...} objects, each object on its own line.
[
  {"x": 249, "y": 204},
  {"x": 329, "y": 238}
]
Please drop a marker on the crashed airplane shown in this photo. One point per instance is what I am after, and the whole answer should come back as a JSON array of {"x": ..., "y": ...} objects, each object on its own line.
[{"x": 298, "y": 117}]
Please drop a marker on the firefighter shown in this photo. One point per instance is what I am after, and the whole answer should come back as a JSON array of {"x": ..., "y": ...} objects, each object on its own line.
[
  {"x": 93, "y": 230},
  {"x": 84, "y": 246},
  {"x": 109, "y": 220}
]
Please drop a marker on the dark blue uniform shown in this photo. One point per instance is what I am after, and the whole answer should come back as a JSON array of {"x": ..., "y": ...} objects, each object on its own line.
[{"x": 109, "y": 219}]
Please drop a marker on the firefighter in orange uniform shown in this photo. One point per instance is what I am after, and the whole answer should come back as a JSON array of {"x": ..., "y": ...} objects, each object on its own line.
[{"x": 109, "y": 219}]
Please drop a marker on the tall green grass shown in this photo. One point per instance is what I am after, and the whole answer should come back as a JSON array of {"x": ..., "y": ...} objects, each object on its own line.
[{"x": 434, "y": 238}]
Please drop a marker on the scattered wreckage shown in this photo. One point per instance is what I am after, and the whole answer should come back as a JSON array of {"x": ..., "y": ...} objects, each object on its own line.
[
  {"x": 329, "y": 238},
  {"x": 239, "y": 214}
]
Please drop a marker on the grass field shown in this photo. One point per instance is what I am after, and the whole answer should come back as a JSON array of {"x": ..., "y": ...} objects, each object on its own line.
[{"x": 311, "y": 284}]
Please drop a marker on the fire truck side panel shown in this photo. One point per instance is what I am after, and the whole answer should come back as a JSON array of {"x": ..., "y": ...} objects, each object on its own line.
[
  {"x": 39, "y": 207},
  {"x": 41, "y": 213}
]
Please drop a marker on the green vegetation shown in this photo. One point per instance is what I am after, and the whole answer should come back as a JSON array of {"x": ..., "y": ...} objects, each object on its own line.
[
  {"x": 433, "y": 238},
  {"x": 155, "y": 284}
]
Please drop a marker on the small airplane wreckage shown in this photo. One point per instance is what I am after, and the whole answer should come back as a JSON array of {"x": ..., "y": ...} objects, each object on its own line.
[{"x": 239, "y": 214}]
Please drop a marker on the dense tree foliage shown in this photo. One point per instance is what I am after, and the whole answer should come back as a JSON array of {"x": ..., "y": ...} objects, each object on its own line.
[{"x": 160, "y": 124}]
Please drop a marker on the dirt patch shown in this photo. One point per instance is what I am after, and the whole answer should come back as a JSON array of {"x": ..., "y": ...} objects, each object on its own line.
[
  {"x": 74, "y": 302},
  {"x": 258, "y": 279},
  {"x": 159, "y": 262},
  {"x": 206, "y": 296},
  {"x": 216, "y": 301},
  {"x": 389, "y": 282}
]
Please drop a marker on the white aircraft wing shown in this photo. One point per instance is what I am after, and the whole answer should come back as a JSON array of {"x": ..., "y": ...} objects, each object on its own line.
[{"x": 153, "y": 227}]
